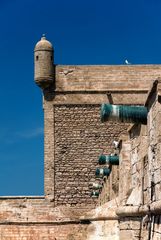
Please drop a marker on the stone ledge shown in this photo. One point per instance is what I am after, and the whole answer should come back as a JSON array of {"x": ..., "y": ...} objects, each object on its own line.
[
  {"x": 130, "y": 211},
  {"x": 43, "y": 222},
  {"x": 105, "y": 212},
  {"x": 21, "y": 197}
]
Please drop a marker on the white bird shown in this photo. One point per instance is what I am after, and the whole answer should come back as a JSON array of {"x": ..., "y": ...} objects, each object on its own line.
[
  {"x": 116, "y": 144},
  {"x": 145, "y": 220},
  {"x": 127, "y": 62}
]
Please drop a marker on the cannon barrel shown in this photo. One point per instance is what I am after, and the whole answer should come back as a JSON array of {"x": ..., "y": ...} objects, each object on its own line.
[
  {"x": 113, "y": 160},
  {"x": 97, "y": 186},
  {"x": 123, "y": 113},
  {"x": 102, "y": 172},
  {"x": 95, "y": 194}
]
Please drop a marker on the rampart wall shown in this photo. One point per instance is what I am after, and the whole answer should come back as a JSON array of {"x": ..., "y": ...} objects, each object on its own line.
[
  {"x": 71, "y": 154},
  {"x": 74, "y": 134}
]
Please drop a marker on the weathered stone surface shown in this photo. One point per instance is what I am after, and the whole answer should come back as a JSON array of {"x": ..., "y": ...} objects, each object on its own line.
[
  {"x": 43, "y": 232},
  {"x": 74, "y": 137},
  {"x": 79, "y": 140},
  {"x": 106, "y": 211},
  {"x": 102, "y": 230},
  {"x": 145, "y": 177},
  {"x": 106, "y": 78}
]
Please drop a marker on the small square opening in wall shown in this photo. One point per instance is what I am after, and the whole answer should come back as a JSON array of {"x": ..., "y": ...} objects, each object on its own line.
[{"x": 37, "y": 58}]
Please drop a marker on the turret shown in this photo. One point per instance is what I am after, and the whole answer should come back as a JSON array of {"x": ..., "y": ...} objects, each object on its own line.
[{"x": 43, "y": 59}]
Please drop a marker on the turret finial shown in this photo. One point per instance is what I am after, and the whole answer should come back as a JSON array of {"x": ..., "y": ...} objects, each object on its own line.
[{"x": 43, "y": 37}]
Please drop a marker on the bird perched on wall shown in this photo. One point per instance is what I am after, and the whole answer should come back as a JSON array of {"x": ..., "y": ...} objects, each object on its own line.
[
  {"x": 145, "y": 220},
  {"x": 127, "y": 62},
  {"x": 115, "y": 144}
]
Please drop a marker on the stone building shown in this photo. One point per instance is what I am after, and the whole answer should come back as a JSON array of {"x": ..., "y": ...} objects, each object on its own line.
[{"x": 128, "y": 205}]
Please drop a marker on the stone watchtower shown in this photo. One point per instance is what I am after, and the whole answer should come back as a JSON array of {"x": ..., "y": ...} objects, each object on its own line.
[{"x": 43, "y": 56}]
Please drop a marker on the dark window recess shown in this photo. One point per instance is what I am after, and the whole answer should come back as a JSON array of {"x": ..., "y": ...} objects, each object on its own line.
[{"x": 37, "y": 58}]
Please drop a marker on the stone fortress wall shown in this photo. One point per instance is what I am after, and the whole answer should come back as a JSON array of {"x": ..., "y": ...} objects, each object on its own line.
[
  {"x": 135, "y": 213},
  {"x": 75, "y": 121},
  {"x": 141, "y": 209},
  {"x": 74, "y": 137}
]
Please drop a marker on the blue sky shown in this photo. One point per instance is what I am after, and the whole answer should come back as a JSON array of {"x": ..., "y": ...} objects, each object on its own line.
[{"x": 82, "y": 32}]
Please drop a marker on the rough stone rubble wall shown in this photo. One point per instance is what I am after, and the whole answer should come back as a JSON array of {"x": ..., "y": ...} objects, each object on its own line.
[{"x": 80, "y": 138}]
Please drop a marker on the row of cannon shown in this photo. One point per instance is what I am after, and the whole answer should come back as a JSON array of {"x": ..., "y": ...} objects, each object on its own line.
[
  {"x": 119, "y": 113},
  {"x": 104, "y": 172}
]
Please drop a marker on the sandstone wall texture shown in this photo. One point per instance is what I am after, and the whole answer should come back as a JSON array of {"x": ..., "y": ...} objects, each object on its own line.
[
  {"x": 80, "y": 138},
  {"x": 43, "y": 232},
  {"x": 106, "y": 78},
  {"x": 70, "y": 127},
  {"x": 74, "y": 137},
  {"x": 36, "y": 218},
  {"x": 140, "y": 202}
]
